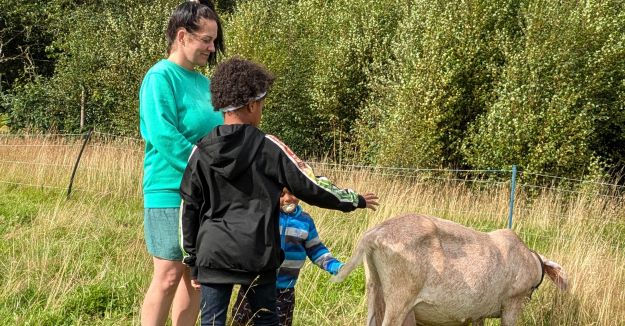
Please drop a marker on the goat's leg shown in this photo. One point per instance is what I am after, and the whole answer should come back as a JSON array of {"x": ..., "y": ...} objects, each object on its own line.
[
  {"x": 410, "y": 320},
  {"x": 375, "y": 297},
  {"x": 397, "y": 309},
  {"x": 479, "y": 322},
  {"x": 511, "y": 311},
  {"x": 398, "y": 298},
  {"x": 375, "y": 304}
]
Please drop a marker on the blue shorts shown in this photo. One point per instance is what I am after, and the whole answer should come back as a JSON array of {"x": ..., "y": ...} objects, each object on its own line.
[{"x": 162, "y": 232}]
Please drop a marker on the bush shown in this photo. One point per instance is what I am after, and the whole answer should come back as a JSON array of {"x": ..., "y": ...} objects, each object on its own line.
[
  {"x": 484, "y": 84},
  {"x": 323, "y": 54},
  {"x": 103, "y": 53},
  {"x": 469, "y": 84},
  {"x": 560, "y": 96},
  {"x": 446, "y": 58}
]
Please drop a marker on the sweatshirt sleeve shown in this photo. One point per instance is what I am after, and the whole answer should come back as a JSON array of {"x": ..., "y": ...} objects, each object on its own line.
[
  {"x": 300, "y": 179},
  {"x": 190, "y": 211},
  {"x": 160, "y": 116},
  {"x": 318, "y": 253}
]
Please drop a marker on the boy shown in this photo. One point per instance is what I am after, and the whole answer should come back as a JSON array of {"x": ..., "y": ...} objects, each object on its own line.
[
  {"x": 298, "y": 238},
  {"x": 231, "y": 192}
]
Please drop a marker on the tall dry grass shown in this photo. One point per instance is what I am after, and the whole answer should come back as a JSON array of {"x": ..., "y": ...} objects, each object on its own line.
[
  {"x": 108, "y": 165},
  {"x": 82, "y": 261}
]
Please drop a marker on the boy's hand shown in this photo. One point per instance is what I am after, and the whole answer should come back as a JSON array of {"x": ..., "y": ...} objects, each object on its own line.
[
  {"x": 195, "y": 284},
  {"x": 372, "y": 200}
]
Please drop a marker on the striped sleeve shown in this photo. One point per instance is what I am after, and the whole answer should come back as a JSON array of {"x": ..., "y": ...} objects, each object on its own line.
[
  {"x": 318, "y": 253},
  {"x": 300, "y": 179}
]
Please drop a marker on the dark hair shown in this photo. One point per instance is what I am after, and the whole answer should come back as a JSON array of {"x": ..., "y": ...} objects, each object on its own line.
[
  {"x": 187, "y": 15},
  {"x": 237, "y": 80}
]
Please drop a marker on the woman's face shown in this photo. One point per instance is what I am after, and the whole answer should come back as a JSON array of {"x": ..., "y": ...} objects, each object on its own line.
[{"x": 199, "y": 44}]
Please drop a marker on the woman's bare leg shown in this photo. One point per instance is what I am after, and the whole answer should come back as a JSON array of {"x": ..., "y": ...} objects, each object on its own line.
[
  {"x": 158, "y": 299},
  {"x": 186, "y": 305}
]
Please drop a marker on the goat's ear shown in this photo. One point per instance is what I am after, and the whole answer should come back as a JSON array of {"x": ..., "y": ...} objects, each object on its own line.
[{"x": 556, "y": 274}]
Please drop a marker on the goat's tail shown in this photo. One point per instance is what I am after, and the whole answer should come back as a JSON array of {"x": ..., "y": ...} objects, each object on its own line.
[
  {"x": 351, "y": 264},
  {"x": 555, "y": 272}
]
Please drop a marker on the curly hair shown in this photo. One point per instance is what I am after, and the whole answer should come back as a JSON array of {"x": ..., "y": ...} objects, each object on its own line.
[{"x": 237, "y": 81}]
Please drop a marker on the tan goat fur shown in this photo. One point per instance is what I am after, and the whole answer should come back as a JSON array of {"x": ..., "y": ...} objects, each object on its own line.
[{"x": 422, "y": 270}]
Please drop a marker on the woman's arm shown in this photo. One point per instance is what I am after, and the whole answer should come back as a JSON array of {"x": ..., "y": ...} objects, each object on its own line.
[{"x": 160, "y": 118}]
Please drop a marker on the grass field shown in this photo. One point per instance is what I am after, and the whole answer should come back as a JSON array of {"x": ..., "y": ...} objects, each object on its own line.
[{"x": 82, "y": 261}]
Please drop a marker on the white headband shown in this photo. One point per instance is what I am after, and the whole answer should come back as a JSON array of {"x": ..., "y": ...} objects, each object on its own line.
[{"x": 236, "y": 107}]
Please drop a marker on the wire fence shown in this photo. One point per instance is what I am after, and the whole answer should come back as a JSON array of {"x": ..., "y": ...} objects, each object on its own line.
[
  {"x": 112, "y": 165},
  {"x": 109, "y": 165}
]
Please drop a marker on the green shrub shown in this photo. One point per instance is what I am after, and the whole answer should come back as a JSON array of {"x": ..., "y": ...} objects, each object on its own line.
[
  {"x": 102, "y": 53},
  {"x": 560, "y": 95},
  {"x": 323, "y": 54},
  {"x": 471, "y": 84},
  {"x": 446, "y": 57}
]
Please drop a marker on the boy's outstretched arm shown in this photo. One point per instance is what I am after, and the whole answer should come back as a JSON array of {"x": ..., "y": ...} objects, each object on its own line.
[
  {"x": 301, "y": 180},
  {"x": 190, "y": 212}
]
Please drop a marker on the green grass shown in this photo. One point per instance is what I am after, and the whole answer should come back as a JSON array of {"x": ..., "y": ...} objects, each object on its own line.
[
  {"x": 83, "y": 261},
  {"x": 19, "y": 206},
  {"x": 71, "y": 262}
]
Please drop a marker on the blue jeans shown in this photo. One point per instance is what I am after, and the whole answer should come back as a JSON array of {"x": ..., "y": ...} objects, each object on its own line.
[{"x": 215, "y": 299}]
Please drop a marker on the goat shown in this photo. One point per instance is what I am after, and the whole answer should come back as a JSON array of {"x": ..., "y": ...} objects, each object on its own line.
[{"x": 422, "y": 270}]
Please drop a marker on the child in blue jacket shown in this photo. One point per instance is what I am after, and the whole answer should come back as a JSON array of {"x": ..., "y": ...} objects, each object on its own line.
[{"x": 299, "y": 239}]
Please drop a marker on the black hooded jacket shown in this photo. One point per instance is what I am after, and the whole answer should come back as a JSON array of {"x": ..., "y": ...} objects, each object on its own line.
[{"x": 231, "y": 194}]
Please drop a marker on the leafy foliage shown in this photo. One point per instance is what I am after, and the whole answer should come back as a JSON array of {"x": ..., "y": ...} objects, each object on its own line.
[
  {"x": 25, "y": 32},
  {"x": 103, "y": 50},
  {"x": 472, "y": 83},
  {"x": 321, "y": 53},
  {"x": 560, "y": 97},
  {"x": 446, "y": 58}
]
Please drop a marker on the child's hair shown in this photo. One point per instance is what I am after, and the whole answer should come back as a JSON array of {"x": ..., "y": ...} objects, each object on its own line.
[
  {"x": 187, "y": 15},
  {"x": 237, "y": 81}
]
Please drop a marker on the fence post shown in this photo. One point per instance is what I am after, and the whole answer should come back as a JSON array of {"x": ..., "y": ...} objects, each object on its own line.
[
  {"x": 512, "y": 190},
  {"x": 82, "y": 149}
]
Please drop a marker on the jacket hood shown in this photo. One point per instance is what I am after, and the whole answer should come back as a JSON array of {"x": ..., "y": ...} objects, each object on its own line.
[{"x": 230, "y": 149}]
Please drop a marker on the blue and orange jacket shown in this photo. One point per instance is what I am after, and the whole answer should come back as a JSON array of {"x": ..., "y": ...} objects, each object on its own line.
[{"x": 299, "y": 239}]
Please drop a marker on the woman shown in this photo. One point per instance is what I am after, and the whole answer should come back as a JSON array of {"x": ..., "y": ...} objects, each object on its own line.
[{"x": 175, "y": 112}]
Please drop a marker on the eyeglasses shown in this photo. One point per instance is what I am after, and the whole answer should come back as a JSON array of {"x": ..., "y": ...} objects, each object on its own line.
[{"x": 206, "y": 40}]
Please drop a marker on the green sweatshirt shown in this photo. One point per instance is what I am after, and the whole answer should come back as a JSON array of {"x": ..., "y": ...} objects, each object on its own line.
[{"x": 175, "y": 112}]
